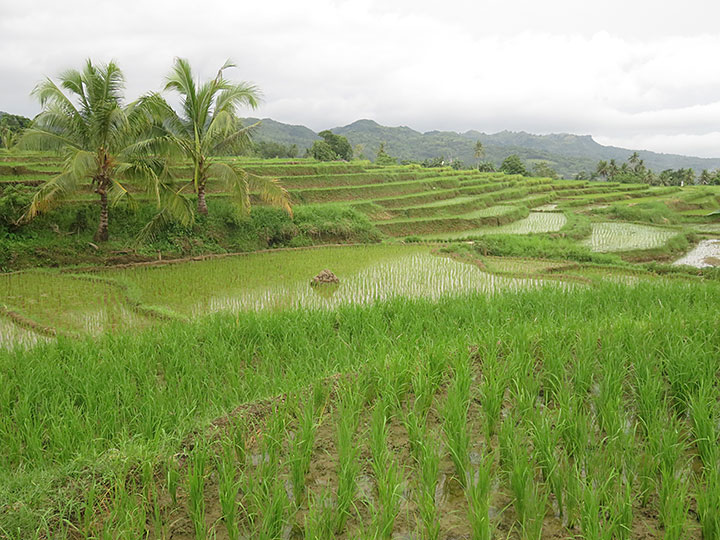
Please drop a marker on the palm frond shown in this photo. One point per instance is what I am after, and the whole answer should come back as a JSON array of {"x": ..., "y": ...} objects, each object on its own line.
[
  {"x": 40, "y": 139},
  {"x": 238, "y": 140},
  {"x": 237, "y": 95},
  {"x": 181, "y": 81},
  {"x": 270, "y": 191},
  {"x": 72, "y": 80},
  {"x": 50, "y": 193},
  {"x": 118, "y": 192},
  {"x": 80, "y": 163},
  {"x": 234, "y": 181},
  {"x": 173, "y": 208}
]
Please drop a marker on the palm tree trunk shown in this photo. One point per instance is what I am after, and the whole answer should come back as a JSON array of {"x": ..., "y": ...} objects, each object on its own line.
[
  {"x": 202, "y": 205},
  {"x": 101, "y": 235}
]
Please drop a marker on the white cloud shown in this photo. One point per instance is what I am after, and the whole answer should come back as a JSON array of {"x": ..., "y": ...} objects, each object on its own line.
[{"x": 622, "y": 71}]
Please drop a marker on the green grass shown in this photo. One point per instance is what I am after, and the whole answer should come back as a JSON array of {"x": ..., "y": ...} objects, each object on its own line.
[{"x": 111, "y": 412}]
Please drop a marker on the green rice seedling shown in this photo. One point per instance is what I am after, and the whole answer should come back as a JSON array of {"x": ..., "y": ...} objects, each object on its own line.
[
  {"x": 415, "y": 425},
  {"x": 674, "y": 502},
  {"x": 196, "y": 489},
  {"x": 127, "y": 517},
  {"x": 583, "y": 375},
  {"x": 649, "y": 400},
  {"x": 525, "y": 389},
  {"x": 172, "y": 478},
  {"x": 478, "y": 493},
  {"x": 574, "y": 425},
  {"x": 386, "y": 471},
  {"x": 348, "y": 452},
  {"x": 545, "y": 443},
  {"x": 238, "y": 433},
  {"x": 669, "y": 443},
  {"x": 703, "y": 413},
  {"x": 609, "y": 401},
  {"x": 425, "y": 381},
  {"x": 455, "y": 413},
  {"x": 276, "y": 505},
  {"x": 429, "y": 465},
  {"x": 553, "y": 376},
  {"x": 529, "y": 499},
  {"x": 88, "y": 512},
  {"x": 708, "y": 505},
  {"x": 301, "y": 451},
  {"x": 492, "y": 393},
  {"x": 396, "y": 380},
  {"x": 228, "y": 487},
  {"x": 621, "y": 512},
  {"x": 645, "y": 474},
  {"x": 592, "y": 524},
  {"x": 573, "y": 492},
  {"x": 271, "y": 447},
  {"x": 320, "y": 517},
  {"x": 159, "y": 525}
]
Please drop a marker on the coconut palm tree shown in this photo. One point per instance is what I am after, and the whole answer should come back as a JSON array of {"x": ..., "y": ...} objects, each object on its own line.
[
  {"x": 479, "y": 151},
  {"x": 205, "y": 126},
  {"x": 602, "y": 169},
  {"x": 103, "y": 142}
]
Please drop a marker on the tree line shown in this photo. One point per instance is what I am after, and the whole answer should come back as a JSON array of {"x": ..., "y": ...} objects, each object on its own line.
[{"x": 635, "y": 171}]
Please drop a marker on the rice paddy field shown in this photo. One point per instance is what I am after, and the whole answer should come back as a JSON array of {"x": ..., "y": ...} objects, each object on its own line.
[
  {"x": 514, "y": 360},
  {"x": 626, "y": 236}
]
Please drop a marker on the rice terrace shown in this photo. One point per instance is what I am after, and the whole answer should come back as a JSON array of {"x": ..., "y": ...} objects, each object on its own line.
[{"x": 504, "y": 355}]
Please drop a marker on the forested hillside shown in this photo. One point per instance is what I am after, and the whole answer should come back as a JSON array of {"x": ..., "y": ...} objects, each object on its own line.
[{"x": 567, "y": 154}]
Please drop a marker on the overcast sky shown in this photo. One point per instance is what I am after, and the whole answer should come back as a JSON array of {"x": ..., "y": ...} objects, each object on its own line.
[{"x": 637, "y": 73}]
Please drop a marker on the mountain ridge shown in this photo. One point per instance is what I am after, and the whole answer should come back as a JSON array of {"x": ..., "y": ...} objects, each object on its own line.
[{"x": 568, "y": 153}]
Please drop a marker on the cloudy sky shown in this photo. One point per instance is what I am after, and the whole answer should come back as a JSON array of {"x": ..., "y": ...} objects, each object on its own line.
[{"x": 634, "y": 73}]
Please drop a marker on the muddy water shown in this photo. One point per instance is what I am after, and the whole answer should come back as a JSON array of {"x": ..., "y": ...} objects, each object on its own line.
[{"x": 705, "y": 254}]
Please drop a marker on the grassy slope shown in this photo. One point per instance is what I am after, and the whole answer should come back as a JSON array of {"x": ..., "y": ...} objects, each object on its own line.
[{"x": 352, "y": 202}]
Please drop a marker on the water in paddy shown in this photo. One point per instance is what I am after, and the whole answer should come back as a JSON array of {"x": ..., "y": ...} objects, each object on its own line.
[
  {"x": 416, "y": 275},
  {"x": 706, "y": 253},
  {"x": 259, "y": 281},
  {"x": 12, "y": 335},
  {"x": 534, "y": 223},
  {"x": 607, "y": 237}
]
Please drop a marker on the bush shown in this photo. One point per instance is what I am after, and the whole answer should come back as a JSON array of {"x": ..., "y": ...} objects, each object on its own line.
[{"x": 13, "y": 201}]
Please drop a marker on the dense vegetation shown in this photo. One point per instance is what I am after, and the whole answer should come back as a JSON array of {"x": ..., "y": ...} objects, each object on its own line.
[{"x": 545, "y": 412}]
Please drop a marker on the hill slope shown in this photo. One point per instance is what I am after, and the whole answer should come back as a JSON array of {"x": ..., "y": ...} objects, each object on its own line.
[{"x": 568, "y": 154}]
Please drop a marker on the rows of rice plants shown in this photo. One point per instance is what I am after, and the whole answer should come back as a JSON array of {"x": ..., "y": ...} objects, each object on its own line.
[
  {"x": 534, "y": 223},
  {"x": 608, "y": 237},
  {"x": 67, "y": 303},
  {"x": 121, "y": 299},
  {"x": 531, "y": 414}
]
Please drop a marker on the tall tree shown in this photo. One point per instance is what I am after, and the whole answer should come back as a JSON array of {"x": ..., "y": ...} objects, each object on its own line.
[
  {"x": 103, "y": 142},
  {"x": 205, "y": 126},
  {"x": 513, "y": 165},
  {"x": 602, "y": 169},
  {"x": 479, "y": 152}
]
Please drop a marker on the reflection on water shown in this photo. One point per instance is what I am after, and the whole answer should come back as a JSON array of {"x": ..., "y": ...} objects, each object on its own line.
[
  {"x": 13, "y": 335},
  {"x": 103, "y": 319},
  {"x": 705, "y": 254},
  {"x": 419, "y": 275}
]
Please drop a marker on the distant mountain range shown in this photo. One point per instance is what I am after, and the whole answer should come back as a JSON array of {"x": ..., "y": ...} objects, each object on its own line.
[{"x": 567, "y": 154}]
